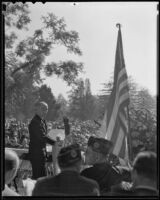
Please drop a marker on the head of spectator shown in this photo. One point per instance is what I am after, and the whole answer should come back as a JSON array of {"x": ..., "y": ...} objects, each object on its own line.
[
  {"x": 41, "y": 109},
  {"x": 11, "y": 165},
  {"x": 7, "y": 139},
  {"x": 25, "y": 142},
  {"x": 70, "y": 158},
  {"x": 144, "y": 172},
  {"x": 58, "y": 139},
  {"x": 97, "y": 150}
]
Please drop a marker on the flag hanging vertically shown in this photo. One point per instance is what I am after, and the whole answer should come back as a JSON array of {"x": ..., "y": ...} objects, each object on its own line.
[{"x": 115, "y": 123}]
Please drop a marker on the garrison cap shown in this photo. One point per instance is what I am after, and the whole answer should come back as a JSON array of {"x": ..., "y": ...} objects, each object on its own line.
[
  {"x": 100, "y": 145},
  {"x": 69, "y": 155}
]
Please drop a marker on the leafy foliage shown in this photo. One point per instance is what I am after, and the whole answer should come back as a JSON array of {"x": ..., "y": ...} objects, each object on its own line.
[
  {"x": 17, "y": 16},
  {"x": 45, "y": 94},
  {"x": 66, "y": 70},
  {"x": 59, "y": 35},
  {"x": 142, "y": 112},
  {"x": 81, "y": 101},
  {"x": 25, "y": 61}
]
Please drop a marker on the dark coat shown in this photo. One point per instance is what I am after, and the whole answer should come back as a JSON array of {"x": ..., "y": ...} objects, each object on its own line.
[
  {"x": 121, "y": 189},
  {"x": 145, "y": 191},
  {"x": 105, "y": 175},
  {"x": 67, "y": 183},
  {"x": 38, "y": 137},
  {"x": 37, "y": 146}
]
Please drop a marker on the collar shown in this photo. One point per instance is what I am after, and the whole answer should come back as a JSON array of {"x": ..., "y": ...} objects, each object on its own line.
[
  {"x": 38, "y": 117},
  {"x": 70, "y": 172}
]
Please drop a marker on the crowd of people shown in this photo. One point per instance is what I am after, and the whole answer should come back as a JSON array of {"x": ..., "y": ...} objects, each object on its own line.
[
  {"x": 82, "y": 162},
  {"x": 17, "y": 134},
  {"x": 99, "y": 179}
]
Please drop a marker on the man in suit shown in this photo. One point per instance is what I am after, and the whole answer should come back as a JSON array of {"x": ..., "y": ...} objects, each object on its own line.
[
  {"x": 68, "y": 182},
  {"x": 101, "y": 171},
  {"x": 144, "y": 174},
  {"x": 38, "y": 140},
  {"x": 11, "y": 167}
]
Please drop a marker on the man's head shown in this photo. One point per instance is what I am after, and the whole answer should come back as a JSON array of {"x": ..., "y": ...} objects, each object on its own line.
[
  {"x": 97, "y": 150},
  {"x": 144, "y": 168},
  {"x": 11, "y": 165},
  {"x": 70, "y": 158},
  {"x": 41, "y": 109}
]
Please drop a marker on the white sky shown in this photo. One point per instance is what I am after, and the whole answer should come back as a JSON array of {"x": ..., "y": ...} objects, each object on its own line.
[{"x": 96, "y": 24}]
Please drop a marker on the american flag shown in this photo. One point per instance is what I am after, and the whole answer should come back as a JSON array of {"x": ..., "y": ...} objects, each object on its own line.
[{"x": 115, "y": 123}]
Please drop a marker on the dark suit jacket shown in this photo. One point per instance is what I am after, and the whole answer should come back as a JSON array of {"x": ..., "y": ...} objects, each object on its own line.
[
  {"x": 67, "y": 183},
  {"x": 104, "y": 174},
  {"x": 121, "y": 189},
  {"x": 38, "y": 137},
  {"x": 144, "y": 191}
]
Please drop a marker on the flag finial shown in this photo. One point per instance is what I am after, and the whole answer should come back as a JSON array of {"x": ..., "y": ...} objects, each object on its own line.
[{"x": 118, "y": 25}]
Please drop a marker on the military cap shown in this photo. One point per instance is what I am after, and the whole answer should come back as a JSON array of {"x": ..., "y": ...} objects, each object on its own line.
[
  {"x": 69, "y": 155},
  {"x": 100, "y": 145}
]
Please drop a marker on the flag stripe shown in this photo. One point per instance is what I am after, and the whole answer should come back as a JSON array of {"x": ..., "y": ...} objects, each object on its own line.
[
  {"x": 117, "y": 104},
  {"x": 116, "y": 130},
  {"x": 113, "y": 137},
  {"x": 113, "y": 94},
  {"x": 115, "y": 111},
  {"x": 122, "y": 87},
  {"x": 123, "y": 149},
  {"x": 119, "y": 142},
  {"x": 123, "y": 121}
]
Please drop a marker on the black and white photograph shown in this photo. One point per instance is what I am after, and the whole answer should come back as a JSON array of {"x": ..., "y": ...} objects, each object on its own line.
[{"x": 80, "y": 99}]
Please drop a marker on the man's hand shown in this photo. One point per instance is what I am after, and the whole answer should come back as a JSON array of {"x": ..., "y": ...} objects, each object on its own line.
[{"x": 29, "y": 186}]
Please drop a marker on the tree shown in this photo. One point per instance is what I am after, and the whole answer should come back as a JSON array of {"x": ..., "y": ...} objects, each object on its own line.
[
  {"x": 75, "y": 99},
  {"x": 25, "y": 61},
  {"x": 103, "y": 98},
  {"x": 16, "y": 16},
  {"x": 81, "y": 101},
  {"x": 62, "y": 102},
  {"x": 45, "y": 94},
  {"x": 142, "y": 113}
]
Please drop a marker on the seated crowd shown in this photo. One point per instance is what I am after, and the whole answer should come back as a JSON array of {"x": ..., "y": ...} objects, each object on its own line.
[
  {"x": 17, "y": 135},
  {"x": 92, "y": 176}
]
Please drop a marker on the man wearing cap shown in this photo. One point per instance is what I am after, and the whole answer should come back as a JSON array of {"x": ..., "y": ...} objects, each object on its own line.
[
  {"x": 69, "y": 182},
  {"x": 38, "y": 140},
  {"x": 101, "y": 171}
]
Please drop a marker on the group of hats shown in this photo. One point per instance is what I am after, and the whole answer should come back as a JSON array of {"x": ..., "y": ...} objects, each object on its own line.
[{"x": 72, "y": 153}]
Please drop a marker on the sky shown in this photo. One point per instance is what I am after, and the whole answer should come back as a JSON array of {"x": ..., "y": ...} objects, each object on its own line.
[{"x": 95, "y": 23}]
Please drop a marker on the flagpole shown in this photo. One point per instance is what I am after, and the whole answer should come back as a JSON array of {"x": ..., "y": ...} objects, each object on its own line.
[
  {"x": 130, "y": 154},
  {"x": 118, "y": 25},
  {"x": 129, "y": 137}
]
